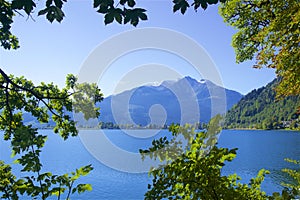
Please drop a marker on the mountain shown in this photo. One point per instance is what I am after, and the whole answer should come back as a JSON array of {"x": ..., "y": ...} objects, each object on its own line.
[
  {"x": 259, "y": 109},
  {"x": 183, "y": 101},
  {"x": 29, "y": 119}
]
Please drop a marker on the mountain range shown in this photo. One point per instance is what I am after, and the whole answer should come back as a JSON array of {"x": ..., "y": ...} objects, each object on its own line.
[{"x": 182, "y": 101}]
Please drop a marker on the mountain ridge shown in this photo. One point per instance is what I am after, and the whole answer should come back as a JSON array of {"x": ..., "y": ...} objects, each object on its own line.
[
  {"x": 259, "y": 109},
  {"x": 170, "y": 95}
]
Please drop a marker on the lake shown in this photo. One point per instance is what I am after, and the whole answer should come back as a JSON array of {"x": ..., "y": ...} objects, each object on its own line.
[{"x": 257, "y": 149}]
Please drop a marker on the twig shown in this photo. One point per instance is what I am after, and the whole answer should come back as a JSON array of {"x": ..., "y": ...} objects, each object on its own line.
[
  {"x": 18, "y": 12},
  {"x": 40, "y": 181},
  {"x": 70, "y": 187}
]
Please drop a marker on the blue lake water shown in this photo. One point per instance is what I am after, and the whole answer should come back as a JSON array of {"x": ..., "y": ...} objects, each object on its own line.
[{"x": 256, "y": 150}]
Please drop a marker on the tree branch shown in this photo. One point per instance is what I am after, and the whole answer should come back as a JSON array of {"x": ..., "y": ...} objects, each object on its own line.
[
  {"x": 8, "y": 106},
  {"x": 70, "y": 187},
  {"x": 38, "y": 96}
]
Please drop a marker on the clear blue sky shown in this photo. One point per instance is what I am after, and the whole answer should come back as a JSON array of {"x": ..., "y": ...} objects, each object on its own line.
[{"x": 50, "y": 51}]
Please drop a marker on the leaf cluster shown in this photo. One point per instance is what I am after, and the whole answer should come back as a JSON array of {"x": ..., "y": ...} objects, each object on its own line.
[
  {"x": 196, "y": 172},
  {"x": 7, "y": 39},
  {"x": 292, "y": 189},
  {"x": 183, "y": 5},
  {"x": 128, "y": 13},
  {"x": 47, "y": 184},
  {"x": 268, "y": 31},
  {"x": 121, "y": 11}
]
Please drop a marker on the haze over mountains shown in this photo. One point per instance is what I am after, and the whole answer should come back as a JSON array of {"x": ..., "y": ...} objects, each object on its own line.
[{"x": 183, "y": 101}]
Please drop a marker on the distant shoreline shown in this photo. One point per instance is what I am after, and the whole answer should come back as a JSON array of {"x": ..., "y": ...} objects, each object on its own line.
[
  {"x": 142, "y": 128},
  {"x": 256, "y": 129}
]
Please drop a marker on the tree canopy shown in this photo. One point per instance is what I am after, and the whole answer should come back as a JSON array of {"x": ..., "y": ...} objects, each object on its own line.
[
  {"x": 122, "y": 11},
  {"x": 268, "y": 31}
]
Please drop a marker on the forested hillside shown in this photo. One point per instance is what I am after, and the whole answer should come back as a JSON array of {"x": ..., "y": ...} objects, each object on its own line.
[{"x": 260, "y": 110}]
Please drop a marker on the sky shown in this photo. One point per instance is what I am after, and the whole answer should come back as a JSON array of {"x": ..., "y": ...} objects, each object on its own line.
[{"x": 51, "y": 51}]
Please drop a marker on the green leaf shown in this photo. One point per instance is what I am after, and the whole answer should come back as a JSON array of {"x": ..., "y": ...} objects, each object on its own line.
[
  {"x": 122, "y": 2},
  {"x": 176, "y": 7},
  {"x": 48, "y": 3},
  {"x": 118, "y": 18},
  {"x": 212, "y": 1},
  {"x": 204, "y": 5},
  {"x": 84, "y": 187},
  {"x": 131, "y": 3},
  {"x": 180, "y": 4},
  {"x": 97, "y": 3},
  {"x": 17, "y": 4},
  {"x": 143, "y": 16},
  {"x": 58, "y": 3},
  {"x": 27, "y": 5},
  {"x": 103, "y": 9},
  {"x": 109, "y": 18},
  {"x": 59, "y": 14}
]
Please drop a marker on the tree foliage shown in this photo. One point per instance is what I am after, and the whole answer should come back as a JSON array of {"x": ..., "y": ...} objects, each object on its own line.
[
  {"x": 268, "y": 31},
  {"x": 293, "y": 188},
  {"x": 19, "y": 95},
  {"x": 194, "y": 172}
]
